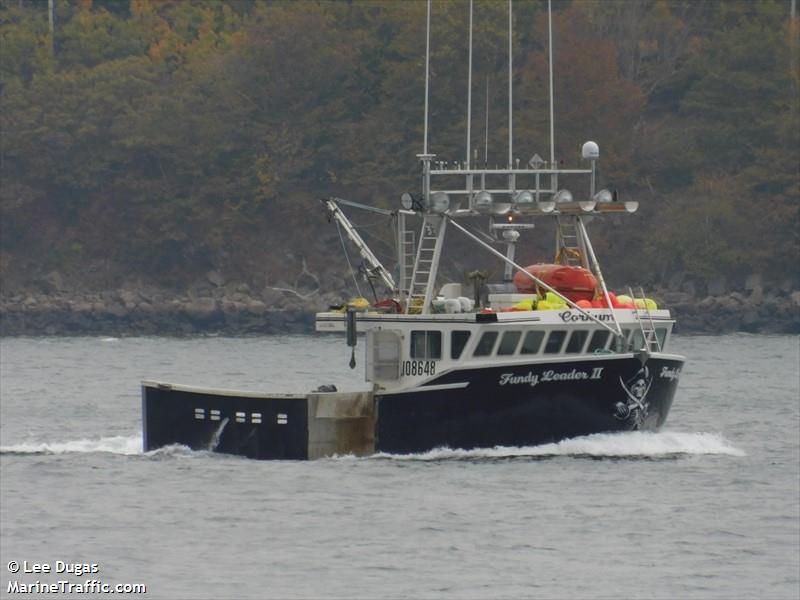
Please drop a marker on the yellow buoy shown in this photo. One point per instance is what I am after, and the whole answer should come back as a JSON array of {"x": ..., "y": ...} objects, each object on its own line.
[
  {"x": 358, "y": 304},
  {"x": 554, "y": 300},
  {"x": 524, "y": 305}
]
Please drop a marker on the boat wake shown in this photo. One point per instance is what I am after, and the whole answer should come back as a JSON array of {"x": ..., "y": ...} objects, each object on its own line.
[
  {"x": 632, "y": 445},
  {"x": 120, "y": 444}
]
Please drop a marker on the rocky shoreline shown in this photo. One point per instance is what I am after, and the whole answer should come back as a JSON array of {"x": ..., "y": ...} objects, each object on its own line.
[
  {"x": 239, "y": 311},
  {"x": 130, "y": 313}
]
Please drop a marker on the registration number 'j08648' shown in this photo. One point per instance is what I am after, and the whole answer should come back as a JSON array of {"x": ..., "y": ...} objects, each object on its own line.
[{"x": 414, "y": 368}]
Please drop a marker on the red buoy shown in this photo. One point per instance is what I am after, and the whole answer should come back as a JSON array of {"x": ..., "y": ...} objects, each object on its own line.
[{"x": 575, "y": 283}]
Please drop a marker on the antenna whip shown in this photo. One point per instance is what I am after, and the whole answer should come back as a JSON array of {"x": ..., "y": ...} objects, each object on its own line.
[
  {"x": 550, "y": 40},
  {"x": 427, "y": 76}
]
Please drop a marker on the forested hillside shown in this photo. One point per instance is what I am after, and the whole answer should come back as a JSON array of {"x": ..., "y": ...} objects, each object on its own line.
[{"x": 156, "y": 141}]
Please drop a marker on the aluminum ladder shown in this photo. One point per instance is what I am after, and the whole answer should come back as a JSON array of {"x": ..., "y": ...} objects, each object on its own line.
[
  {"x": 568, "y": 243},
  {"x": 408, "y": 251},
  {"x": 426, "y": 264},
  {"x": 647, "y": 327}
]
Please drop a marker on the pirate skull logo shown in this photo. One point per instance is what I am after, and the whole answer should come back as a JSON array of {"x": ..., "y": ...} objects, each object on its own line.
[{"x": 634, "y": 408}]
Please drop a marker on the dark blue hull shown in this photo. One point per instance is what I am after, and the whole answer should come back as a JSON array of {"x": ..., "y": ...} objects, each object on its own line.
[
  {"x": 519, "y": 405},
  {"x": 529, "y": 405}
]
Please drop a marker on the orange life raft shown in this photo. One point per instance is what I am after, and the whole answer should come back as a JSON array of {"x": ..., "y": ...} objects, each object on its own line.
[{"x": 575, "y": 283}]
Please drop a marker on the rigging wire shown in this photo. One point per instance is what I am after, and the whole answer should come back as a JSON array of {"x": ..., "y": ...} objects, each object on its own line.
[
  {"x": 347, "y": 256},
  {"x": 388, "y": 246}
]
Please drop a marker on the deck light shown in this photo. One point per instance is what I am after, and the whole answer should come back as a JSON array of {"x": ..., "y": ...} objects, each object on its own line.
[
  {"x": 482, "y": 201},
  {"x": 523, "y": 198},
  {"x": 501, "y": 208},
  {"x": 603, "y": 196},
  {"x": 546, "y": 206},
  {"x": 440, "y": 202},
  {"x": 406, "y": 201},
  {"x": 562, "y": 196}
]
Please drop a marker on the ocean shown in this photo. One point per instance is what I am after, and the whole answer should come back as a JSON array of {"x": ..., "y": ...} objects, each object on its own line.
[{"x": 707, "y": 508}]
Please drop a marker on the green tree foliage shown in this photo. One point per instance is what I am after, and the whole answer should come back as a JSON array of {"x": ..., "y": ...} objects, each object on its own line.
[
  {"x": 170, "y": 136},
  {"x": 739, "y": 117}
]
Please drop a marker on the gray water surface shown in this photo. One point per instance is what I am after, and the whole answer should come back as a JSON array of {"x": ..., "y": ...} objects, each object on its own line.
[{"x": 707, "y": 508}]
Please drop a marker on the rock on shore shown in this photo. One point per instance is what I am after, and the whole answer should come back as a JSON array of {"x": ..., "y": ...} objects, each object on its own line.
[
  {"x": 126, "y": 312},
  {"x": 736, "y": 312}
]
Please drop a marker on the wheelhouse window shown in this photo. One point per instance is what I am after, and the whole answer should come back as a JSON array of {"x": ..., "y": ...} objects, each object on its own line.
[
  {"x": 426, "y": 345},
  {"x": 385, "y": 355},
  {"x": 486, "y": 344},
  {"x": 532, "y": 342},
  {"x": 458, "y": 339},
  {"x": 661, "y": 334},
  {"x": 620, "y": 344},
  {"x": 599, "y": 340},
  {"x": 637, "y": 340},
  {"x": 509, "y": 343},
  {"x": 577, "y": 340},
  {"x": 554, "y": 342}
]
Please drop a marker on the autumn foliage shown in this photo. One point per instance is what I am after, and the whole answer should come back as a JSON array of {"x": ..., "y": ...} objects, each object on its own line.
[{"x": 165, "y": 138}]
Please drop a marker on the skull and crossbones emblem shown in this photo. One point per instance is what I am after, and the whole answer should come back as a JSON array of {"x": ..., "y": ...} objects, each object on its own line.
[{"x": 634, "y": 408}]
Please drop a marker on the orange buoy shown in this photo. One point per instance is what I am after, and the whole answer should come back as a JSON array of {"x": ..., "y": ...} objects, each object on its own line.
[{"x": 575, "y": 283}]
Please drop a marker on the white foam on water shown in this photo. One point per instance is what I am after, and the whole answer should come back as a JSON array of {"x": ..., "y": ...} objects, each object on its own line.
[
  {"x": 634, "y": 444},
  {"x": 119, "y": 444},
  {"x": 109, "y": 339}
]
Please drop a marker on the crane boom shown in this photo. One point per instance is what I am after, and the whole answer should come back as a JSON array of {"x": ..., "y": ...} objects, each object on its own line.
[{"x": 372, "y": 261}]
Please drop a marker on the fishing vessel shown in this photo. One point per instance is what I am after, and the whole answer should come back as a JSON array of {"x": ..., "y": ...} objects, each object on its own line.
[{"x": 547, "y": 353}]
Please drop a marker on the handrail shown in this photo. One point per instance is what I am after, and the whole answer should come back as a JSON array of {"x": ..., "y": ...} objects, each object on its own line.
[{"x": 596, "y": 266}]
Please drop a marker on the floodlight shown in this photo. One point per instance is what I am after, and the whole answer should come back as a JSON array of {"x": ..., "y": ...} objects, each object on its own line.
[
  {"x": 603, "y": 196},
  {"x": 562, "y": 196},
  {"x": 440, "y": 202},
  {"x": 482, "y": 201}
]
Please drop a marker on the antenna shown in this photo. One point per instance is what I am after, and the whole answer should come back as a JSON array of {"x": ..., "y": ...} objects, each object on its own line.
[
  {"x": 510, "y": 91},
  {"x": 486, "y": 135},
  {"x": 469, "y": 88},
  {"x": 550, "y": 40},
  {"x": 427, "y": 76}
]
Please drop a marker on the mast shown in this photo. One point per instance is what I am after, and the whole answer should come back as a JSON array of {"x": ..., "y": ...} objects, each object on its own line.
[
  {"x": 550, "y": 56},
  {"x": 510, "y": 92},
  {"x": 468, "y": 162},
  {"x": 486, "y": 138},
  {"x": 469, "y": 89},
  {"x": 427, "y": 77},
  {"x": 486, "y": 134},
  {"x": 425, "y": 157}
]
